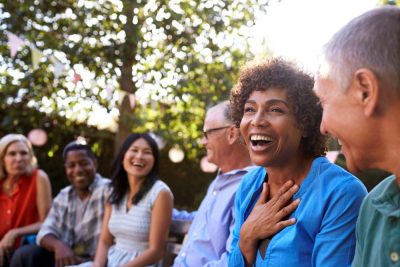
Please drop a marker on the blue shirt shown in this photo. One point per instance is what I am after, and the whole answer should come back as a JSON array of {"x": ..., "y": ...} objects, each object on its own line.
[
  {"x": 378, "y": 227},
  {"x": 324, "y": 232},
  {"x": 209, "y": 238}
]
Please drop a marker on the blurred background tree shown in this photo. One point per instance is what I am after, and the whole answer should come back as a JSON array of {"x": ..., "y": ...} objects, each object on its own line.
[
  {"x": 128, "y": 66},
  {"x": 389, "y": 2}
]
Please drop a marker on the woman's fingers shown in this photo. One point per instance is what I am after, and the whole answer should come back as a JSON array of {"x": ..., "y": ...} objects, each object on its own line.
[
  {"x": 281, "y": 192},
  {"x": 266, "y": 218},
  {"x": 285, "y": 211},
  {"x": 286, "y": 186},
  {"x": 282, "y": 224},
  {"x": 1, "y": 257},
  {"x": 4, "y": 256},
  {"x": 283, "y": 197},
  {"x": 264, "y": 195}
]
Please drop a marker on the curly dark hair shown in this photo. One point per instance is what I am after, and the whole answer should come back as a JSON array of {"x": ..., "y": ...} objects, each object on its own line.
[
  {"x": 279, "y": 74},
  {"x": 119, "y": 178}
]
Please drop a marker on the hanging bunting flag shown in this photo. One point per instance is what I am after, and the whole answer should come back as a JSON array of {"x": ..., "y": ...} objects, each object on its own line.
[
  {"x": 132, "y": 100},
  {"x": 109, "y": 91},
  {"x": 332, "y": 155},
  {"x": 36, "y": 56},
  {"x": 58, "y": 66},
  {"x": 77, "y": 78},
  {"x": 121, "y": 96},
  {"x": 14, "y": 42},
  {"x": 58, "y": 69}
]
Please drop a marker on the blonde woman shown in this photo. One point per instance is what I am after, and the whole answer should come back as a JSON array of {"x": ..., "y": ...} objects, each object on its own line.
[{"x": 25, "y": 193}]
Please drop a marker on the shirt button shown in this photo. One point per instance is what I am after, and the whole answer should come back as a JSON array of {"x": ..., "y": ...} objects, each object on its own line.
[
  {"x": 215, "y": 192},
  {"x": 183, "y": 254},
  {"x": 8, "y": 211},
  {"x": 394, "y": 256}
]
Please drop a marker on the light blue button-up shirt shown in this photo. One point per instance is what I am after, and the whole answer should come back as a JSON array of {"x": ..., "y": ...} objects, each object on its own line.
[{"x": 209, "y": 238}]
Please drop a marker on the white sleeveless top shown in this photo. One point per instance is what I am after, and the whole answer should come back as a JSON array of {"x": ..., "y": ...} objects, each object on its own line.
[{"x": 131, "y": 228}]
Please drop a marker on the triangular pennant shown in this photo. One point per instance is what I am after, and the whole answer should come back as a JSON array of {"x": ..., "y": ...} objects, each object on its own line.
[
  {"x": 332, "y": 155},
  {"x": 36, "y": 56},
  {"x": 77, "y": 78},
  {"x": 58, "y": 69},
  {"x": 132, "y": 100},
  {"x": 58, "y": 66},
  {"x": 14, "y": 42},
  {"x": 109, "y": 91},
  {"x": 121, "y": 96}
]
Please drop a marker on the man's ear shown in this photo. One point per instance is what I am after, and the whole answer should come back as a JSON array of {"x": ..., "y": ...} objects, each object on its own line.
[
  {"x": 367, "y": 90},
  {"x": 233, "y": 134}
]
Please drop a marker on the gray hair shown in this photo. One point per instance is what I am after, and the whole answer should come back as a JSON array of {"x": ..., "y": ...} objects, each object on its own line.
[
  {"x": 224, "y": 106},
  {"x": 370, "y": 41},
  {"x": 5, "y": 142}
]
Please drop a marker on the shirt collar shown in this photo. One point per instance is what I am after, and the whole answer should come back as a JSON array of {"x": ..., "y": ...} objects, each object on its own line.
[
  {"x": 95, "y": 182},
  {"x": 311, "y": 176},
  {"x": 388, "y": 201},
  {"x": 236, "y": 171}
]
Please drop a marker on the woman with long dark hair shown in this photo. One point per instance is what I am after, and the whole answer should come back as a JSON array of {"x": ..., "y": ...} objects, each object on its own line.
[{"x": 138, "y": 214}]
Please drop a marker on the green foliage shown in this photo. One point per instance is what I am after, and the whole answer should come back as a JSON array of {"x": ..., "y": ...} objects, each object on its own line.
[
  {"x": 177, "y": 57},
  {"x": 389, "y": 2}
]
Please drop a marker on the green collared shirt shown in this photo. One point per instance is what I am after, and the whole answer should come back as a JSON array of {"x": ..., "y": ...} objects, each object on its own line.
[{"x": 378, "y": 227}]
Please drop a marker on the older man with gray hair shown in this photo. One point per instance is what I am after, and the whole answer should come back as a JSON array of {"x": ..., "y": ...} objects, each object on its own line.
[
  {"x": 359, "y": 88},
  {"x": 209, "y": 238}
]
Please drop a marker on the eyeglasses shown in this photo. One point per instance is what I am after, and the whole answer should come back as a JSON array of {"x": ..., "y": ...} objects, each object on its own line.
[{"x": 206, "y": 133}]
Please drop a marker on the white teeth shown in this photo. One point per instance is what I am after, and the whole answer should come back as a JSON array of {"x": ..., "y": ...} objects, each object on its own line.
[
  {"x": 260, "y": 138},
  {"x": 138, "y": 164},
  {"x": 340, "y": 143},
  {"x": 80, "y": 178}
]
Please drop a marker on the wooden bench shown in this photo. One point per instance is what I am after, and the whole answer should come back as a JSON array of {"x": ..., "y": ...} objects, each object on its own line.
[{"x": 177, "y": 234}]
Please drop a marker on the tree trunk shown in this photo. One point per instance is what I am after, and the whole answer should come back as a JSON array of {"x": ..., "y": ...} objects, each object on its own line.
[
  {"x": 125, "y": 123},
  {"x": 128, "y": 52}
]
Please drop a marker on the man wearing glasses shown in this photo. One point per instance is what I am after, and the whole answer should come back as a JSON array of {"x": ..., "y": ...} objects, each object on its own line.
[{"x": 209, "y": 237}]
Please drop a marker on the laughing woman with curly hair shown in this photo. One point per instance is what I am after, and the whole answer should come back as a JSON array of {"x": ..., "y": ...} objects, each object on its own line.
[{"x": 297, "y": 209}]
